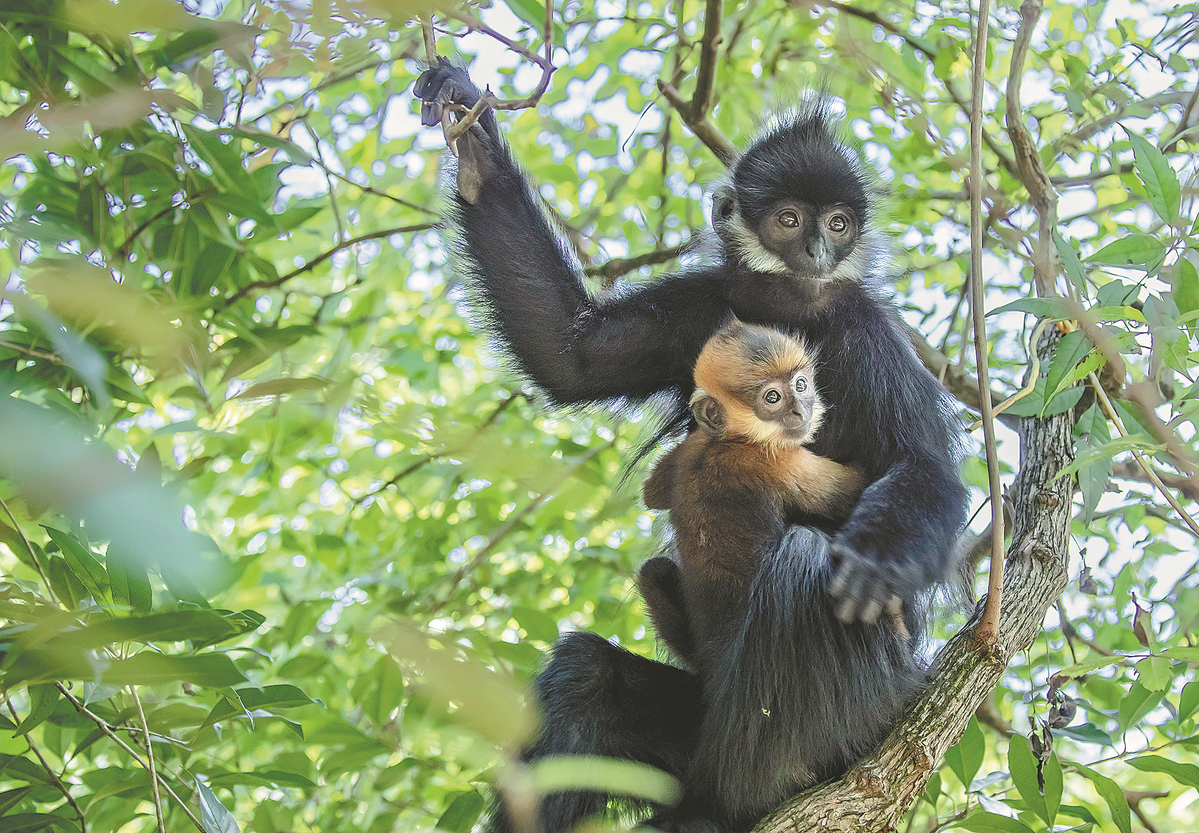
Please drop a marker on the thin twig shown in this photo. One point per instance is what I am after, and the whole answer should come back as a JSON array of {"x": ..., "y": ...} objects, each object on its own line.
[
  {"x": 487, "y": 99},
  {"x": 102, "y": 724},
  {"x": 425, "y": 459},
  {"x": 1138, "y": 456},
  {"x": 141, "y": 714},
  {"x": 510, "y": 523},
  {"x": 321, "y": 258},
  {"x": 62, "y": 788},
  {"x": 1045, "y": 261},
  {"x": 987, "y": 629},
  {"x": 619, "y": 266},
  {"x": 32, "y": 553}
]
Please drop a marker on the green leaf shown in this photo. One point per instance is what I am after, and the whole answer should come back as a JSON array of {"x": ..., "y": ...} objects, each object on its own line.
[
  {"x": 278, "y": 387},
  {"x": 1093, "y": 477},
  {"x": 1154, "y": 673},
  {"x": 42, "y": 700},
  {"x": 1072, "y": 349},
  {"x": 213, "y": 814},
  {"x": 17, "y": 768},
  {"x": 21, "y": 822},
  {"x": 555, "y": 773},
  {"x": 1054, "y": 309},
  {"x": 463, "y": 811},
  {"x": 1188, "y": 701},
  {"x": 538, "y": 624},
  {"x": 1161, "y": 183},
  {"x": 1063, "y": 402},
  {"x": 966, "y": 756},
  {"x": 148, "y": 668},
  {"x": 82, "y": 563},
  {"x": 1186, "y": 286},
  {"x": 130, "y": 585},
  {"x": 1087, "y": 733},
  {"x": 1136, "y": 251},
  {"x": 1185, "y": 774},
  {"x": 990, "y": 823},
  {"x": 1116, "y": 293},
  {"x": 387, "y": 694},
  {"x": 1089, "y": 665},
  {"x": 1023, "y": 767},
  {"x": 1052, "y": 773},
  {"x": 1139, "y": 701},
  {"x": 533, "y": 13},
  {"x": 201, "y": 627},
  {"x": 1111, "y": 793},
  {"x": 1071, "y": 263}
]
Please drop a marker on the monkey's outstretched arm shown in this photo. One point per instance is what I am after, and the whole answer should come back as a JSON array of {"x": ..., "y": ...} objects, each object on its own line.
[{"x": 532, "y": 296}]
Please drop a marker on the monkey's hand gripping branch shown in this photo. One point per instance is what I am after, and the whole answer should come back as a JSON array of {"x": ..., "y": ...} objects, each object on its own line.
[{"x": 444, "y": 89}]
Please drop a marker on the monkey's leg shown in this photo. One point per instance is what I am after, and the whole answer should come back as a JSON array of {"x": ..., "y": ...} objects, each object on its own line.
[
  {"x": 599, "y": 699},
  {"x": 660, "y": 580}
]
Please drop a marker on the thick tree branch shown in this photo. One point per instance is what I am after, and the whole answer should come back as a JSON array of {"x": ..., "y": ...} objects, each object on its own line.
[
  {"x": 704, "y": 130},
  {"x": 875, "y": 795},
  {"x": 694, "y": 113},
  {"x": 705, "y": 76},
  {"x": 1045, "y": 263}
]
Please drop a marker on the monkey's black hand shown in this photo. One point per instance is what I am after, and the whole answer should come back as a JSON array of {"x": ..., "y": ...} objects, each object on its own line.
[
  {"x": 442, "y": 84},
  {"x": 446, "y": 85},
  {"x": 865, "y": 588}
]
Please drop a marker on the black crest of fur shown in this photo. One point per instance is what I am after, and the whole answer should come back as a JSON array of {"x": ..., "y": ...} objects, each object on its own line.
[{"x": 801, "y": 153}]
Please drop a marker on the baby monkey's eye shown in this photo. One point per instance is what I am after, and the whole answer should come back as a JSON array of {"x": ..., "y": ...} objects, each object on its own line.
[
  {"x": 801, "y": 384},
  {"x": 772, "y": 397}
]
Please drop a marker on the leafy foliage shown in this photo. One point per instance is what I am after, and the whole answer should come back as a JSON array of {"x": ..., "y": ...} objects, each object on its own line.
[{"x": 249, "y": 427}]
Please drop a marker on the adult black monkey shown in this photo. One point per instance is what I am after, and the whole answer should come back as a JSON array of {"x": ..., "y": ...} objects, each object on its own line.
[{"x": 812, "y": 679}]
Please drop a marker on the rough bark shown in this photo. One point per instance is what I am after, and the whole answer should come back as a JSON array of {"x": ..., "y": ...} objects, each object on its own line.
[{"x": 877, "y": 793}]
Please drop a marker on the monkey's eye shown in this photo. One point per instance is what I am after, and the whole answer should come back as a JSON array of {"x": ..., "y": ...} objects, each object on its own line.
[
  {"x": 838, "y": 223},
  {"x": 788, "y": 218},
  {"x": 772, "y": 396},
  {"x": 801, "y": 384}
]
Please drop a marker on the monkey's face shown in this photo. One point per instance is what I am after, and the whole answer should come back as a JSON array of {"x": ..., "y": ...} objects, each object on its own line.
[
  {"x": 790, "y": 405},
  {"x": 798, "y": 203},
  {"x": 811, "y": 240}
]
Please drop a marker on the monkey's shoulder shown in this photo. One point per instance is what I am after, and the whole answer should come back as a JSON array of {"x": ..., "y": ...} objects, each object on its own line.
[{"x": 735, "y": 469}]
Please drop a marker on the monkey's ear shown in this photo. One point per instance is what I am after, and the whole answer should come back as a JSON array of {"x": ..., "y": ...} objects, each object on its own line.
[
  {"x": 724, "y": 206},
  {"x": 708, "y": 413}
]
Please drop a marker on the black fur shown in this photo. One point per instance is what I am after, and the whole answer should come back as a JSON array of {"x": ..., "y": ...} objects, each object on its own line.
[{"x": 831, "y": 690}]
